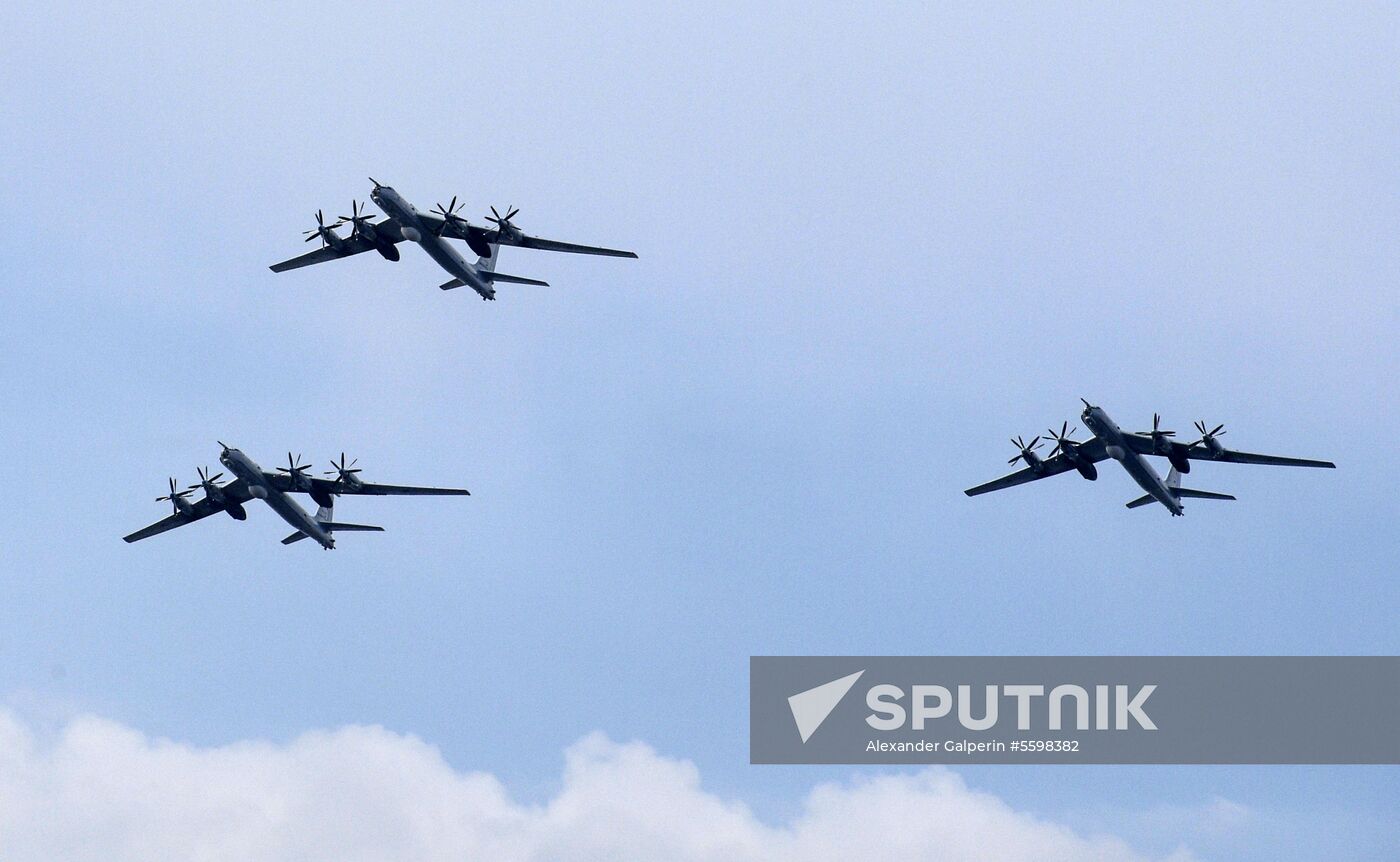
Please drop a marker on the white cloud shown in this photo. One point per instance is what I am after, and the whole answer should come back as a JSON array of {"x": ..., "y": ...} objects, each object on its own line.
[{"x": 101, "y": 791}]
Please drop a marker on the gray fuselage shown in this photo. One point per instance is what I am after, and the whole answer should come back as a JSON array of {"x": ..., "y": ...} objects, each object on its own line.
[
  {"x": 1104, "y": 428},
  {"x": 439, "y": 249},
  {"x": 245, "y": 468}
]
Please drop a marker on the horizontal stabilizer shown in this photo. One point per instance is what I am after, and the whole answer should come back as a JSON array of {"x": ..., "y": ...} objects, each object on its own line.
[
  {"x": 1141, "y": 501},
  {"x": 294, "y": 537},
  {"x": 1200, "y": 495},
  {"x": 493, "y": 276}
]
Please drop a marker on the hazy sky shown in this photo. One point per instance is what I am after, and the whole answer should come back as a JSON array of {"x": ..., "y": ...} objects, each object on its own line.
[{"x": 874, "y": 244}]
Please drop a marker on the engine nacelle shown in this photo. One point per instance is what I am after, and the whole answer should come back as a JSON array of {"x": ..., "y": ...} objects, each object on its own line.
[
  {"x": 479, "y": 245},
  {"x": 237, "y": 512},
  {"x": 1087, "y": 470},
  {"x": 387, "y": 250},
  {"x": 1179, "y": 460}
]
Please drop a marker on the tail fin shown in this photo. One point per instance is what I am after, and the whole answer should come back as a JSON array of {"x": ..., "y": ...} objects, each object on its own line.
[{"x": 488, "y": 263}]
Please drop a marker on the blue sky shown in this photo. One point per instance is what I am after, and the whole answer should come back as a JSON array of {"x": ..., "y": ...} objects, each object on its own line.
[{"x": 874, "y": 244}]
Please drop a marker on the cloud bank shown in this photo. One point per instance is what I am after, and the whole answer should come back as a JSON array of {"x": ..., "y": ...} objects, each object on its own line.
[{"x": 101, "y": 791}]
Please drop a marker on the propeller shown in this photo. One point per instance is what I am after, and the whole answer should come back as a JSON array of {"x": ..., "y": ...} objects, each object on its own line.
[
  {"x": 295, "y": 469},
  {"x": 174, "y": 496},
  {"x": 462, "y": 227},
  {"x": 449, "y": 213},
  {"x": 1207, "y": 436},
  {"x": 344, "y": 473},
  {"x": 356, "y": 219},
  {"x": 503, "y": 221},
  {"x": 206, "y": 481},
  {"x": 1062, "y": 439},
  {"x": 1026, "y": 448},
  {"x": 1156, "y": 428},
  {"x": 320, "y": 229}
]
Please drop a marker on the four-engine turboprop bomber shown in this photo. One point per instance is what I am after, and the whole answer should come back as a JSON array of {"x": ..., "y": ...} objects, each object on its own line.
[
  {"x": 1130, "y": 449},
  {"x": 251, "y": 482},
  {"x": 431, "y": 230}
]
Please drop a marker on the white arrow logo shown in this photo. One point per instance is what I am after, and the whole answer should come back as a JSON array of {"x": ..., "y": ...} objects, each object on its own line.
[{"x": 811, "y": 707}]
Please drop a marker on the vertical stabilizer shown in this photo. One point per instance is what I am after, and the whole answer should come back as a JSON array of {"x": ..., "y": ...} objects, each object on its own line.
[{"x": 488, "y": 264}]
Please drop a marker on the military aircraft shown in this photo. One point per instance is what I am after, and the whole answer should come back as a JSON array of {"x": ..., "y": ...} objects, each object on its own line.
[
  {"x": 431, "y": 230},
  {"x": 252, "y": 482},
  {"x": 1130, "y": 449}
]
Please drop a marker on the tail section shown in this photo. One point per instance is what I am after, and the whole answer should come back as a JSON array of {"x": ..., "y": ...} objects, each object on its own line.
[
  {"x": 324, "y": 517},
  {"x": 334, "y": 527},
  {"x": 493, "y": 277},
  {"x": 1174, "y": 486}
]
